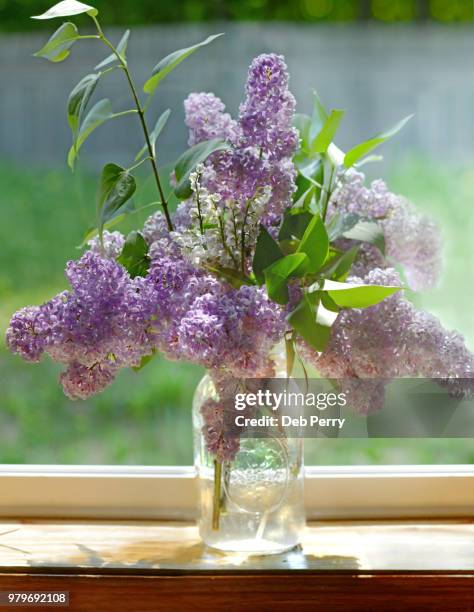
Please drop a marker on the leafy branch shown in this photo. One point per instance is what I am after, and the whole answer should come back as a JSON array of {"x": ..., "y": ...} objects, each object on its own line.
[{"x": 83, "y": 123}]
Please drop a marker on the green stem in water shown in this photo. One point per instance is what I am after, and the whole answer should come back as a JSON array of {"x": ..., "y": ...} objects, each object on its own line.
[{"x": 216, "y": 504}]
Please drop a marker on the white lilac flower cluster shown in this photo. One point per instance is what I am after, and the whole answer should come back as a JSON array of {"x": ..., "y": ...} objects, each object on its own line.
[{"x": 220, "y": 234}]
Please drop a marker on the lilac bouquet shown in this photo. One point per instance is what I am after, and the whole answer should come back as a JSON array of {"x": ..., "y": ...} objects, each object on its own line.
[{"x": 267, "y": 234}]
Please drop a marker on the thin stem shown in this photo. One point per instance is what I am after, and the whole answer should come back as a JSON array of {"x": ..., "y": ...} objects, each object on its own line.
[
  {"x": 223, "y": 239},
  {"x": 328, "y": 194},
  {"x": 141, "y": 114},
  {"x": 198, "y": 204},
  {"x": 234, "y": 225},
  {"x": 111, "y": 69},
  {"x": 130, "y": 111},
  {"x": 242, "y": 237},
  {"x": 216, "y": 504},
  {"x": 138, "y": 164}
]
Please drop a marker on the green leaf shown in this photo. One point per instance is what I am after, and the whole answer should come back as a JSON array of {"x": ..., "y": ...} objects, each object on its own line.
[
  {"x": 99, "y": 114},
  {"x": 322, "y": 141},
  {"x": 67, "y": 8},
  {"x": 170, "y": 62},
  {"x": 267, "y": 252},
  {"x": 315, "y": 243},
  {"x": 288, "y": 246},
  {"x": 349, "y": 295},
  {"x": 359, "y": 151},
  {"x": 303, "y": 320},
  {"x": 368, "y": 231},
  {"x": 302, "y": 186},
  {"x": 303, "y": 124},
  {"x": 190, "y": 159},
  {"x": 338, "y": 224},
  {"x": 328, "y": 302},
  {"x": 368, "y": 160},
  {"x": 325, "y": 316},
  {"x": 117, "y": 186},
  {"x": 319, "y": 117},
  {"x": 160, "y": 124},
  {"x": 305, "y": 201},
  {"x": 294, "y": 225},
  {"x": 145, "y": 360},
  {"x": 278, "y": 273},
  {"x": 355, "y": 227},
  {"x": 345, "y": 264},
  {"x": 310, "y": 168},
  {"x": 78, "y": 100},
  {"x": 134, "y": 256},
  {"x": 121, "y": 49},
  {"x": 338, "y": 264},
  {"x": 115, "y": 220},
  {"x": 57, "y": 47}
]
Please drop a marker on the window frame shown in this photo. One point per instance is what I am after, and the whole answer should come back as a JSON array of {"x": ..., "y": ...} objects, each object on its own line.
[{"x": 141, "y": 492}]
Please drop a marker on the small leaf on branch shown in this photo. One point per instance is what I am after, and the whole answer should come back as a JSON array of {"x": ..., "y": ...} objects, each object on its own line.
[
  {"x": 340, "y": 266},
  {"x": 160, "y": 124},
  {"x": 170, "y": 62},
  {"x": 319, "y": 117},
  {"x": 190, "y": 159},
  {"x": 355, "y": 227},
  {"x": 121, "y": 50},
  {"x": 368, "y": 231},
  {"x": 79, "y": 98},
  {"x": 359, "y": 151},
  {"x": 347, "y": 295},
  {"x": 99, "y": 114},
  {"x": 277, "y": 275},
  {"x": 91, "y": 232},
  {"x": 67, "y": 8},
  {"x": 117, "y": 186},
  {"x": 303, "y": 124},
  {"x": 310, "y": 168},
  {"x": 294, "y": 225},
  {"x": 322, "y": 141},
  {"x": 340, "y": 223},
  {"x": 303, "y": 320},
  {"x": 315, "y": 243},
  {"x": 58, "y": 46},
  {"x": 267, "y": 252},
  {"x": 134, "y": 256}
]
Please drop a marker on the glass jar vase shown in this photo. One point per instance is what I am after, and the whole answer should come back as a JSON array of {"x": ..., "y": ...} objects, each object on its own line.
[{"x": 251, "y": 501}]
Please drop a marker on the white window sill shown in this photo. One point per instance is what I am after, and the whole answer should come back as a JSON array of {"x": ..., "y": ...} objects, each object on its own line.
[{"x": 171, "y": 492}]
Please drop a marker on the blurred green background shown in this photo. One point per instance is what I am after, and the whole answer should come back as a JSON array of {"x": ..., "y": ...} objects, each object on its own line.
[
  {"x": 13, "y": 13},
  {"x": 145, "y": 418}
]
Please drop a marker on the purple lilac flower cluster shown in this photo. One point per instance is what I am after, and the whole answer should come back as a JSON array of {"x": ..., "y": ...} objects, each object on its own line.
[
  {"x": 263, "y": 138},
  {"x": 390, "y": 340},
  {"x": 108, "y": 321},
  {"x": 411, "y": 238}
]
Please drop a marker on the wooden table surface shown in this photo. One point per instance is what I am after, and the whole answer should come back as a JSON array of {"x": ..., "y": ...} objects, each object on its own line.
[{"x": 141, "y": 566}]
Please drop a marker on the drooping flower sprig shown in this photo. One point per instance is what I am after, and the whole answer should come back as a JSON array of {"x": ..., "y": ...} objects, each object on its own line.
[{"x": 266, "y": 233}]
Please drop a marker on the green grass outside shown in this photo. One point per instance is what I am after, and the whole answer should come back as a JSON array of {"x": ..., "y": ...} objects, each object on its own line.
[{"x": 145, "y": 418}]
